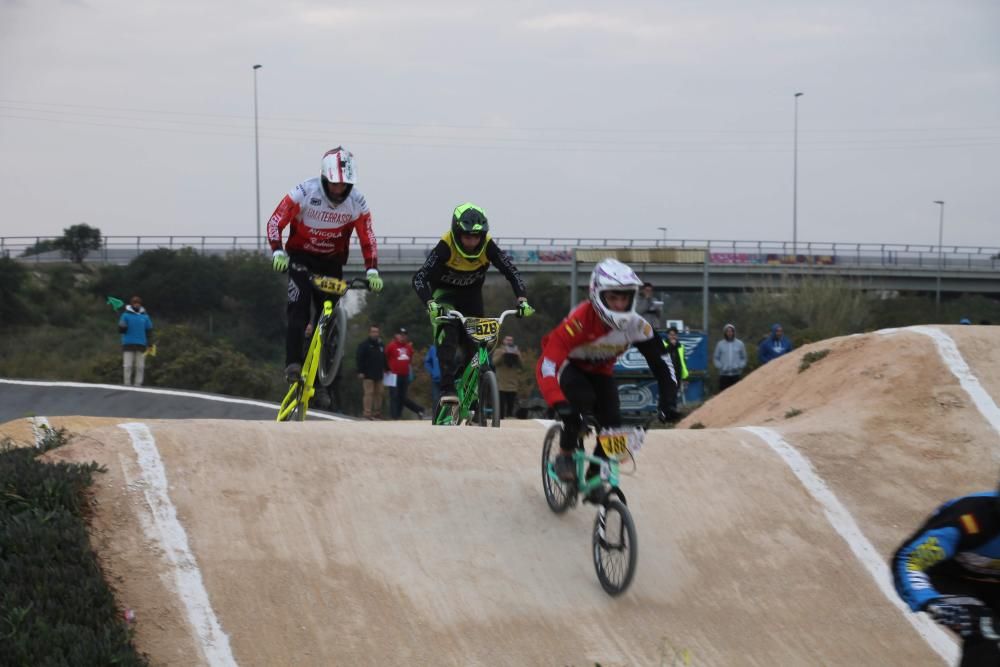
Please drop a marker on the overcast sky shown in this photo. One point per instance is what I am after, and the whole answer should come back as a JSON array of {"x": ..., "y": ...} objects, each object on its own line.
[{"x": 564, "y": 119}]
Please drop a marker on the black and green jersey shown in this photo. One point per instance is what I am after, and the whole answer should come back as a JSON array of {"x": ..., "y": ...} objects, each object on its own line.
[{"x": 448, "y": 276}]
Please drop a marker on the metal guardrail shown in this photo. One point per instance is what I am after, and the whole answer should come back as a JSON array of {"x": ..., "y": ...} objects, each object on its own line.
[{"x": 558, "y": 251}]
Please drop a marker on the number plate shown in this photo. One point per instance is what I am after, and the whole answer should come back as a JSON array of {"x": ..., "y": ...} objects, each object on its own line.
[
  {"x": 615, "y": 445},
  {"x": 482, "y": 328},
  {"x": 618, "y": 443},
  {"x": 329, "y": 285}
]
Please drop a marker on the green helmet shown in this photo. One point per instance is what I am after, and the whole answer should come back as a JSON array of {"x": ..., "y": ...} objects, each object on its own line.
[{"x": 468, "y": 218}]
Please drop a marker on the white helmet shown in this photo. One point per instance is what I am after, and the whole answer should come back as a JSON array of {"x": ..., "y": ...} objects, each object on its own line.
[
  {"x": 610, "y": 275},
  {"x": 337, "y": 167}
]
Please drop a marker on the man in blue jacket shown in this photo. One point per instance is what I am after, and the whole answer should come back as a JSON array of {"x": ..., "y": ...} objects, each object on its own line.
[
  {"x": 774, "y": 345},
  {"x": 137, "y": 334}
]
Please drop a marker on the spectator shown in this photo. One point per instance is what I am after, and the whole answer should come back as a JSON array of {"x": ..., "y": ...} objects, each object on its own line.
[
  {"x": 507, "y": 360},
  {"x": 774, "y": 345},
  {"x": 137, "y": 335},
  {"x": 648, "y": 307},
  {"x": 678, "y": 362},
  {"x": 434, "y": 369},
  {"x": 399, "y": 354},
  {"x": 730, "y": 358},
  {"x": 371, "y": 367}
]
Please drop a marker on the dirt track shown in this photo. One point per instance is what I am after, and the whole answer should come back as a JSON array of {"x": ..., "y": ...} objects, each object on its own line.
[{"x": 383, "y": 543}]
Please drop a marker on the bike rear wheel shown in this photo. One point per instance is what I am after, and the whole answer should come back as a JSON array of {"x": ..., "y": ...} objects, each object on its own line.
[
  {"x": 615, "y": 547},
  {"x": 292, "y": 408},
  {"x": 447, "y": 414},
  {"x": 488, "y": 408},
  {"x": 331, "y": 350},
  {"x": 558, "y": 494}
]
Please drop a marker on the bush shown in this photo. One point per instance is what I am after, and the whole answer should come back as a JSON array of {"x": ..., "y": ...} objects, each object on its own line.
[{"x": 55, "y": 607}]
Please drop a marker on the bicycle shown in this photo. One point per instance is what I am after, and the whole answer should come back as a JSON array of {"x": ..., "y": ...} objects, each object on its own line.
[
  {"x": 477, "y": 389},
  {"x": 614, "y": 543},
  {"x": 326, "y": 347}
]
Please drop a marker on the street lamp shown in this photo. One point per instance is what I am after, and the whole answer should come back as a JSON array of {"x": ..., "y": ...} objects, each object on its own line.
[
  {"x": 664, "y": 230},
  {"x": 256, "y": 151},
  {"x": 795, "y": 180},
  {"x": 937, "y": 291}
]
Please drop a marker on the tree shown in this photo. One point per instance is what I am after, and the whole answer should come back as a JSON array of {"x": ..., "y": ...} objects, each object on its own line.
[{"x": 77, "y": 241}]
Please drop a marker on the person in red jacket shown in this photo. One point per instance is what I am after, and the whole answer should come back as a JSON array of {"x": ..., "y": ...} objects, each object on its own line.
[
  {"x": 322, "y": 213},
  {"x": 399, "y": 355},
  {"x": 574, "y": 370}
]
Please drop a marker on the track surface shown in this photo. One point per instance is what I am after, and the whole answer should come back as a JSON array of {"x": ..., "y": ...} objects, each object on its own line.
[{"x": 384, "y": 543}]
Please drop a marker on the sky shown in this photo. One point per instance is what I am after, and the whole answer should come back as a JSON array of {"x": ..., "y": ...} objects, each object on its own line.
[{"x": 633, "y": 119}]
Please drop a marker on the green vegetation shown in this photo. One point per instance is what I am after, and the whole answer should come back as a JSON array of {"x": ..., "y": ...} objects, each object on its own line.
[
  {"x": 55, "y": 607},
  {"x": 697, "y": 425},
  {"x": 794, "y": 412},
  {"x": 809, "y": 357},
  {"x": 220, "y": 320}
]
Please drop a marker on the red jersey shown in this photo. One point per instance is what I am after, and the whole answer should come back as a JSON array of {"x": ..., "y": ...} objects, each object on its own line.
[
  {"x": 583, "y": 339},
  {"x": 320, "y": 228}
]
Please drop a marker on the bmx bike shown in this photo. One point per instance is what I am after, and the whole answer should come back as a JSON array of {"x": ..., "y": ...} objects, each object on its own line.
[
  {"x": 326, "y": 346},
  {"x": 614, "y": 543}
]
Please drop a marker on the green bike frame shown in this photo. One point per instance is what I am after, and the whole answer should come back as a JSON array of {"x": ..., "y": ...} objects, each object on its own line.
[{"x": 467, "y": 389}]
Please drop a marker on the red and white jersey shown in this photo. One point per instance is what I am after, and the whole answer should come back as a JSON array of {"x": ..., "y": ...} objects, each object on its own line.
[
  {"x": 584, "y": 340},
  {"x": 320, "y": 228}
]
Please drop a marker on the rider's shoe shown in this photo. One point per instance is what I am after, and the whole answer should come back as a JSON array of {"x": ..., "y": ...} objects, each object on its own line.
[
  {"x": 565, "y": 467},
  {"x": 293, "y": 372},
  {"x": 448, "y": 395}
]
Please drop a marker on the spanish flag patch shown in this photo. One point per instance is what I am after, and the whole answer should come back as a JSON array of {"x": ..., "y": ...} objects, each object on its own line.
[{"x": 969, "y": 524}]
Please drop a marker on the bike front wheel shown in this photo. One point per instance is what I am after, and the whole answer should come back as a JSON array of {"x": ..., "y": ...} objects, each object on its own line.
[
  {"x": 558, "y": 494},
  {"x": 488, "y": 409},
  {"x": 615, "y": 547},
  {"x": 331, "y": 350}
]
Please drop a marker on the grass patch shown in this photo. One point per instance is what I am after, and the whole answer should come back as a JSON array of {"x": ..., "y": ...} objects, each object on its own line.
[
  {"x": 697, "y": 425},
  {"x": 794, "y": 412},
  {"x": 809, "y": 357},
  {"x": 55, "y": 607}
]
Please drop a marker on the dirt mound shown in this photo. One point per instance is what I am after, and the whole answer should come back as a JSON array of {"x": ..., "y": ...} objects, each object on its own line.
[{"x": 382, "y": 543}]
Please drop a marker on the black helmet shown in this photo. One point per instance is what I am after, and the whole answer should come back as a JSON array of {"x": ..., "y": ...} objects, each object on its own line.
[{"x": 469, "y": 219}]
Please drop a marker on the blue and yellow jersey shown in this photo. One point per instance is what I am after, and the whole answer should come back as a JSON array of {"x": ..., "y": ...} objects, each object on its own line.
[{"x": 961, "y": 541}]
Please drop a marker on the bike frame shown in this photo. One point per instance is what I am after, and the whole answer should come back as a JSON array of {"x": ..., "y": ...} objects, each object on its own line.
[
  {"x": 467, "y": 388},
  {"x": 609, "y": 472},
  {"x": 302, "y": 390}
]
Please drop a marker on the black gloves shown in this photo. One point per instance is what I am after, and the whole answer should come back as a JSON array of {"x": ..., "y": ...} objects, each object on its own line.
[{"x": 962, "y": 614}]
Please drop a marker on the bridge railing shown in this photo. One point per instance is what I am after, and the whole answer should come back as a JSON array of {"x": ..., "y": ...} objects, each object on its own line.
[{"x": 559, "y": 251}]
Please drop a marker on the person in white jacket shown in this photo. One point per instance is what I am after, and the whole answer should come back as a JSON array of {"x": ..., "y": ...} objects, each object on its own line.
[{"x": 730, "y": 358}]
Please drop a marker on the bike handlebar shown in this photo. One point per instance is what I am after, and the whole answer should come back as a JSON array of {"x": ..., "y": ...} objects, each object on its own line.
[
  {"x": 354, "y": 283},
  {"x": 457, "y": 315}
]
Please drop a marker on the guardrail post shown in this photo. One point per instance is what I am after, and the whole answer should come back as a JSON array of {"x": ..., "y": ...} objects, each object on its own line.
[{"x": 38, "y": 255}]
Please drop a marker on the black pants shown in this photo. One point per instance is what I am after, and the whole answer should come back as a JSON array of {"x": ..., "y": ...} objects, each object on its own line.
[
  {"x": 508, "y": 402},
  {"x": 452, "y": 344},
  {"x": 589, "y": 394},
  {"x": 726, "y": 381},
  {"x": 303, "y": 300},
  {"x": 399, "y": 400}
]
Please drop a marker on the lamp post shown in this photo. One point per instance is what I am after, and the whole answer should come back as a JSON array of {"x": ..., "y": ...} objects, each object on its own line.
[
  {"x": 664, "y": 230},
  {"x": 937, "y": 291},
  {"x": 256, "y": 152},
  {"x": 795, "y": 180}
]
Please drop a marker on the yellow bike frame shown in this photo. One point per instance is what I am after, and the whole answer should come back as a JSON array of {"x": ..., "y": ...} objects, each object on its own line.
[{"x": 303, "y": 389}]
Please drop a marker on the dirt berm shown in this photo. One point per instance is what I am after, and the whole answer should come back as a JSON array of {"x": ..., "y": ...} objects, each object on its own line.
[{"x": 399, "y": 543}]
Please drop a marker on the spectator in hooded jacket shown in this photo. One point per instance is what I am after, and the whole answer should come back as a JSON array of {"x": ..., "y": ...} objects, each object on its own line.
[
  {"x": 774, "y": 345},
  {"x": 730, "y": 358},
  {"x": 137, "y": 334},
  {"x": 507, "y": 361}
]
